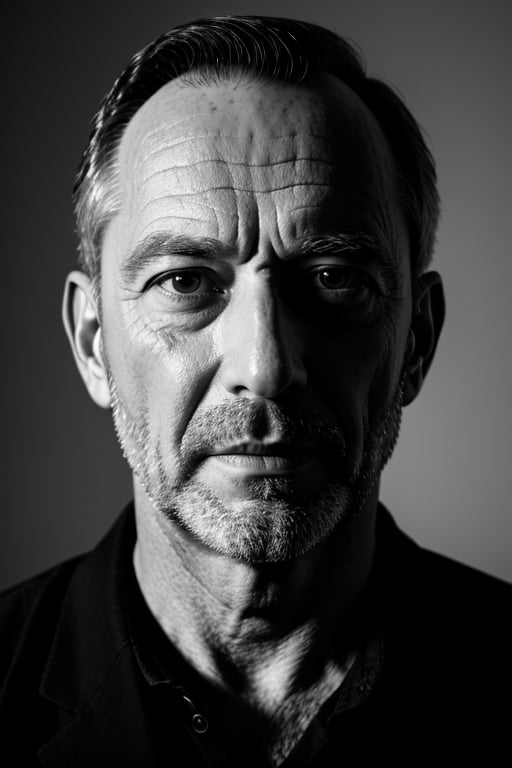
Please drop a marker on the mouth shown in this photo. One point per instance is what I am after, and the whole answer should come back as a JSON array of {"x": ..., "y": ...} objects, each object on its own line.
[
  {"x": 253, "y": 448},
  {"x": 266, "y": 458}
]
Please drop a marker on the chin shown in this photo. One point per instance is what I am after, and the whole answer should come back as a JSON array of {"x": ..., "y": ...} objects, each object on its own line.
[{"x": 257, "y": 530}]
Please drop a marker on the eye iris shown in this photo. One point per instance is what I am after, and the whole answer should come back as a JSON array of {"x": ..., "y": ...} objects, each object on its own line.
[
  {"x": 187, "y": 282},
  {"x": 334, "y": 278}
]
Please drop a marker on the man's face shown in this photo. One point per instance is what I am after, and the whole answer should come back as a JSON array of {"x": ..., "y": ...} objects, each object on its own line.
[{"x": 256, "y": 302}]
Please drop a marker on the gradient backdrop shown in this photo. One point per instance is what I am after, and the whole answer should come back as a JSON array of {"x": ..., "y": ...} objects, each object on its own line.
[{"x": 449, "y": 483}]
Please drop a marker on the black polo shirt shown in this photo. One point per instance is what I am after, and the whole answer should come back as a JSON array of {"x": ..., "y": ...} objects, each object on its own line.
[{"x": 89, "y": 678}]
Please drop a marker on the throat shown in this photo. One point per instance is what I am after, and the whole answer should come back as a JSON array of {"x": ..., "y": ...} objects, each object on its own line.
[{"x": 270, "y": 643}]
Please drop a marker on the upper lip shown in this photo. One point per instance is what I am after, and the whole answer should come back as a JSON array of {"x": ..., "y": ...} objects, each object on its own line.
[{"x": 256, "y": 448}]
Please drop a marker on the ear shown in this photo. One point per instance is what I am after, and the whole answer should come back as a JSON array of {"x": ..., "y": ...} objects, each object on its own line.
[
  {"x": 82, "y": 324},
  {"x": 426, "y": 324}
]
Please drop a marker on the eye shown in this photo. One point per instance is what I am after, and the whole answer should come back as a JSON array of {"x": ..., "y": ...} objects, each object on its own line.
[
  {"x": 186, "y": 282},
  {"x": 343, "y": 285}
]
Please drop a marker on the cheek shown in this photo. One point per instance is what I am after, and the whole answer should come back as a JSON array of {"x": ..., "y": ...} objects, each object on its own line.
[
  {"x": 161, "y": 372},
  {"x": 361, "y": 374},
  {"x": 387, "y": 378}
]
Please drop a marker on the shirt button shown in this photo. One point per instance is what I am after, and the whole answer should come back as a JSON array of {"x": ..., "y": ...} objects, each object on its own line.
[{"x": 199, "y": 723}]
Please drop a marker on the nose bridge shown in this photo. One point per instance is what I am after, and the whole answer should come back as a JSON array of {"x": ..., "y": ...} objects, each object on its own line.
[{"x": 263, "y": 351}]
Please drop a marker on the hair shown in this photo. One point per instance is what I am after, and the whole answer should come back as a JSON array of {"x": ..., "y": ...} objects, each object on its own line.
[{"x": 268, "y": 49}]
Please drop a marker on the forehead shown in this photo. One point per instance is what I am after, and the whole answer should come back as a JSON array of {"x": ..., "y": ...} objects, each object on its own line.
[
  {"x": 219, "y": 160},
  {"x": 245, "y": 108}
]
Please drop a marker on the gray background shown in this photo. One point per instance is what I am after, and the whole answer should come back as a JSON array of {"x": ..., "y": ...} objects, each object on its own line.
[{"x": 63, "y": 478}]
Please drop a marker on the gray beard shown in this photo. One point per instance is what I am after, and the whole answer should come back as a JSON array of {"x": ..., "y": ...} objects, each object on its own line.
[{"x": 276, "y": 525}]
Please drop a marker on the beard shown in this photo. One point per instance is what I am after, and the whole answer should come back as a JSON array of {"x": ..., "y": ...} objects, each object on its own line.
[{"x": 276, "y": 522}]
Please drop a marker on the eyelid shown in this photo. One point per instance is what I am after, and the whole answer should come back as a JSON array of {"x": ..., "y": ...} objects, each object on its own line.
[
  {"x": 363, "y": 275},
  {"x": 157, "y": 280}
]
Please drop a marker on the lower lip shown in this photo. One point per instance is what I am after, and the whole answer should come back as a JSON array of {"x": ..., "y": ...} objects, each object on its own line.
[{"x": 249, "y": 477}]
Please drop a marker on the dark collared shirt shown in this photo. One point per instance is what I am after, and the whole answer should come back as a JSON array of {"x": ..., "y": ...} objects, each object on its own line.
[
  {"x": 200, "y": 705},
  {"x": 88, "y": 678}
]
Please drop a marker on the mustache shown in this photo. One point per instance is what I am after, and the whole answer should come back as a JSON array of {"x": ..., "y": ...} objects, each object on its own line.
[{"x": 244, "y": 420}]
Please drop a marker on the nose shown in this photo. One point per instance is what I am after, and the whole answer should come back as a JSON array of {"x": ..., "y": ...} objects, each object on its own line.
[{"x": 263, "y": 348}]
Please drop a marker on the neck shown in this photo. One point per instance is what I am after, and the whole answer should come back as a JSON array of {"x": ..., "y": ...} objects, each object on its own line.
[{"x": 254, "y": 629}]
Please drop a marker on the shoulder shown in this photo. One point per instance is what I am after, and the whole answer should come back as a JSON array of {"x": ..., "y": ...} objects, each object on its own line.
[
  {"x": 451, "y": 588},
  {"x": 446, "y": 637},
  {"x": 440, "y": 610},
  {"x": 37, "y": 610},
  {"x": 458, "y": 609},
  {"x": 446, "y": 623},
  {"x": 29, "y": 611},
  {"x": 456, "y": 577},
  {"x": 17, "y": 602},
  {"x": 433, "y": 578},
  {"x": 29, "y": 615},
  {"x": 59, "y": 634}
]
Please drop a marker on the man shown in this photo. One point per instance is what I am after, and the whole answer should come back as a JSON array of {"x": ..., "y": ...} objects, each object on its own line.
[{"x": 256, "y": 219}]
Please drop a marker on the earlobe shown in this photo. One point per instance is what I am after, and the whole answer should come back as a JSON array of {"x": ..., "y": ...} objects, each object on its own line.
[
  {"x": 426, "y": 325},
  {"x": 81, "y": 320}
]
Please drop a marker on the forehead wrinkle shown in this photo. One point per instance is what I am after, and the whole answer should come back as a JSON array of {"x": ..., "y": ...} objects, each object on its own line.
[
  {"x": 161, "y": 148},
  {"x": 267, "y": 112},
  {"x": 221, "y": 219},
  {"x": 241, "y": 177},
  {"x": 137, "y": 131},
  {"x": 341, "y": 129},
  {"x": 229, "y": 138},
  {"x": 230, "y": 188},
  {"x": 229, "y": 161},
  {"x": 265, "y": 108},
  {"x": 214, "y": 148},
  {"x": 171, "y": 217},
  {"x": 214, "y": 209}
]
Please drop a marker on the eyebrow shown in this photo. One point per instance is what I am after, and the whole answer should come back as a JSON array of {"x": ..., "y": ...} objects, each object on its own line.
[
  {"x": 162, "y": 245},
  {"x": 374, "y": 249}
]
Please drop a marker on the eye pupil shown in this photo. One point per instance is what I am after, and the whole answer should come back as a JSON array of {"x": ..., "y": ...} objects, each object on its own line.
[
  {"x": 333, "y": 278},
  {"x": 187, "y": 282}
]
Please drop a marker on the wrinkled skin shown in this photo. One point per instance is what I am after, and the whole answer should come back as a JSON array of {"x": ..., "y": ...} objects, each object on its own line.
[
  {"x": 253, "y": 334},
  {"x": 278, "y": 174}
]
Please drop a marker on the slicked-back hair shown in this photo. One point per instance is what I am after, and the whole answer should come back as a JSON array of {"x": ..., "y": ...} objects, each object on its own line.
[{"x": 263, "y": 48}]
